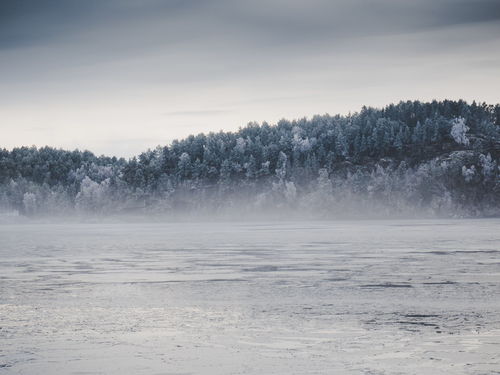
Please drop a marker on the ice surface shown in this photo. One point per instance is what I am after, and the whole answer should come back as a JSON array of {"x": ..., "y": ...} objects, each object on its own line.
[{"x": 365, "y": 297}]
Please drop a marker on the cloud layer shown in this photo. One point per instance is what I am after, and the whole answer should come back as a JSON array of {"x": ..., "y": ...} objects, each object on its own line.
[{"x": 106, "y": 74}]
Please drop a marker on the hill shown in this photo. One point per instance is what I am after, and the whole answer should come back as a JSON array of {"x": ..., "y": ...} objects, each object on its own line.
[{"x": 411, "y": 158}]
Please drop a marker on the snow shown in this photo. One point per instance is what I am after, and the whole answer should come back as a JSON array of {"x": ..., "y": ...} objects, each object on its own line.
[{"x": 358, "y": 297}]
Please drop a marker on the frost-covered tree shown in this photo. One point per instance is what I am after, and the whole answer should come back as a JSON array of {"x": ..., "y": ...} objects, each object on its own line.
[
  {"x": 409, "y": 155},
  {"x": 488, "y": 166},
  {"x": 468, "y": 173},
  {"x": 92, "y": 196},
  {"x": 459, "y": 130},
  {"x": 29, "y": 203}
]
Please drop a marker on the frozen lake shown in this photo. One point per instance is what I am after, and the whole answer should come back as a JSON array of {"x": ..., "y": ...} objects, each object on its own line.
[{"x": 386, "y": 297}]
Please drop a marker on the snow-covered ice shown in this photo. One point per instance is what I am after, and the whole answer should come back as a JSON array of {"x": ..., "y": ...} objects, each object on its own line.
[{"x": 360, "y": 297}]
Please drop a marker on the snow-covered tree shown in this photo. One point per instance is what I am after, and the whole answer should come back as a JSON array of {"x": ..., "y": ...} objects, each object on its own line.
[
  {"x": 29, "y": 203},
  {"x": 401, "y": 155},
  {"x": 468, "y": 173},
  {"x": 92, "y": 196},
  {"x": 459, "y": 130},
  {"x": 488, "y": 166}
]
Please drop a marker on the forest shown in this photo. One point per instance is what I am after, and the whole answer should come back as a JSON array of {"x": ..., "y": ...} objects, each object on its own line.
[{"x": 439, "y": 158}]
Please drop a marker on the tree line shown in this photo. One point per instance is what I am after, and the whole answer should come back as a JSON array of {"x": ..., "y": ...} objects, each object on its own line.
[{"x": 435, "y": 158}]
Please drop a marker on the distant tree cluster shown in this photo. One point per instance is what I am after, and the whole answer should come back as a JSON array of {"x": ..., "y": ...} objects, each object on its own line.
[{"x": 439, "y": 158}]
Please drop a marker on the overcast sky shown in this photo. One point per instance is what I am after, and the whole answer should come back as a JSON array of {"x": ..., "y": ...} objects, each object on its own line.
[{"x": 120, "y": 76}]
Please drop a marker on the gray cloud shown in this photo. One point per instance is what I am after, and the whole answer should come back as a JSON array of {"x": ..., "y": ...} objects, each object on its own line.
[{"x": 33, "y": 22}]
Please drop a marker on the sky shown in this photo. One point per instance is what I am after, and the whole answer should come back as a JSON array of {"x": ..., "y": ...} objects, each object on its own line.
[{"x": 117, "y": 77}]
